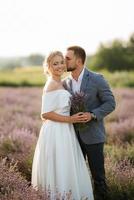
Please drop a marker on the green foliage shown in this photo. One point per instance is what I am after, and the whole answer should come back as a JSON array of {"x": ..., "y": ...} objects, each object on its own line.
[
  {"x": 27, "y": 76},
  {"x": 117, "y": 55},
  {"x": 33, "y": 76},
  {"x": 120, "y": 178},
  {"x": 119, "y": 78},
  {"x": 23, "y": 77},
  {"x": 25, "y": 165},
  {"x": 7, "y": 147},
  {"x": 118, "y": 153}
]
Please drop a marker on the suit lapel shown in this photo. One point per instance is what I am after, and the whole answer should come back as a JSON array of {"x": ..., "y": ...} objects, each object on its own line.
[
  {"x": 84, "y": 83},
  {"x": 85, "y": 80},
  {"x": 69, "y": 85}
]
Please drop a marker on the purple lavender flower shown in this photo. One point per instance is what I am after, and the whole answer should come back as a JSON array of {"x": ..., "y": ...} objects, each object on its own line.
[{"x": 78, "y": 104}]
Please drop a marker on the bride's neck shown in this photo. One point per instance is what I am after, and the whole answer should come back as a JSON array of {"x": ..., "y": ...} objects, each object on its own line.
[{"x": 55, "y": 78}]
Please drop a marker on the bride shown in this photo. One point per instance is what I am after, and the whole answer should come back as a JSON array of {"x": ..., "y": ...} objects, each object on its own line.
[{"x": 58, "y": 162}]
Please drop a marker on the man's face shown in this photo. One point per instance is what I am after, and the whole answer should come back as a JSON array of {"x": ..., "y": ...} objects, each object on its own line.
[{"x": 71, "y": 61}]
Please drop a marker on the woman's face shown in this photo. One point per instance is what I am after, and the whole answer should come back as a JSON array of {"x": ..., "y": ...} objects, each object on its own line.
[{"x": 57, "y": 66}]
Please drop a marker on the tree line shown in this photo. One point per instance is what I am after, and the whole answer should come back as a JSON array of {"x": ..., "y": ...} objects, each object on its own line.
[
  {"x": 113, "y": 56},
  {"x": 116, "y": 55},
  {"x": 11, "y": 63}
]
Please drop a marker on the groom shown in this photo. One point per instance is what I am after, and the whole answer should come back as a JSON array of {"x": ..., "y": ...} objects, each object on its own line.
[{"x": 99, "y": 103}]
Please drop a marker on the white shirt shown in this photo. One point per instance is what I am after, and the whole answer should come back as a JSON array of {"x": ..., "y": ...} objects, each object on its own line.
[{"x": 77, "y": 84}]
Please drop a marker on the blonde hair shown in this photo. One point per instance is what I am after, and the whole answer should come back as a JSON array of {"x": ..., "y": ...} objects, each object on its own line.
[{"x": 49, "y": 58}]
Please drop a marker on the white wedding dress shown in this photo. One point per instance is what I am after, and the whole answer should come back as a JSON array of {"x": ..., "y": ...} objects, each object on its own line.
[{"x": 58, "y": 162}]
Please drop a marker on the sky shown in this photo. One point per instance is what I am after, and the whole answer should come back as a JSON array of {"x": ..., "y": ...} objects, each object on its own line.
[{"x": 41, "y": 26}]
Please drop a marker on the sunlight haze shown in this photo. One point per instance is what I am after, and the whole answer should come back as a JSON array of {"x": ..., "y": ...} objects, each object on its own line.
[{"x": 38, "y": 26}]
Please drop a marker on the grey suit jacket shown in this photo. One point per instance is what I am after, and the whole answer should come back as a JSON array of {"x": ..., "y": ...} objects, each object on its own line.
[{"x": 100, "y": 101}]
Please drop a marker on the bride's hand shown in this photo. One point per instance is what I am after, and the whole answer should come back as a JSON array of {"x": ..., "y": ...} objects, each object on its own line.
[{"x": 77, "y": 118}]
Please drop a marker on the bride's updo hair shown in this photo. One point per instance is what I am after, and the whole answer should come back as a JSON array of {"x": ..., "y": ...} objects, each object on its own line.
[{"x": 48, "y": 60}]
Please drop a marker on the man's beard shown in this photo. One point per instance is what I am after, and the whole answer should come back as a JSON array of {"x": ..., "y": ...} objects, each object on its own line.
[{"x": 69, "y": 69}]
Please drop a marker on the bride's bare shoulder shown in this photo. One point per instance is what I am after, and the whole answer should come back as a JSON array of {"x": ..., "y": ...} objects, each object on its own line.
[{"x": 52, "y": 85}]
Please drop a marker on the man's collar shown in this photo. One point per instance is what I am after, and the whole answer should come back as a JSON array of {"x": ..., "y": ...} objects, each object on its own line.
[{"x": 80, "y": 76}]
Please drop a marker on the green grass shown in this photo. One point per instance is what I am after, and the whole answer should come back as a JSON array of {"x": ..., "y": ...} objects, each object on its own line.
[
  {"x": 120, "y": 79},
  {"x": 34, "y": 76},
  {"x": 27, "y": 76},
  {"x": 117, "y": 153}
]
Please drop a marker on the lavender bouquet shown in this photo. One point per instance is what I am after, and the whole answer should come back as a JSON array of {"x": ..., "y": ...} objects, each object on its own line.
[{"x": 78, "y": 104}]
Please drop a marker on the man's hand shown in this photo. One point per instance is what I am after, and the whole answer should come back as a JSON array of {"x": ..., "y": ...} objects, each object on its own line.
[
  {"x": 87, "y": 117},
  {"x": 82, "y": 117},
  {"x": 77, "y": 118}
]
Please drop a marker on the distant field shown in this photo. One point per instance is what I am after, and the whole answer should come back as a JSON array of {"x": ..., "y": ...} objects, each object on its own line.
[
  {"x": 120, "y": 79},
  {"x": 27, "y": 76},
  {"x": 33, "y": 76}
]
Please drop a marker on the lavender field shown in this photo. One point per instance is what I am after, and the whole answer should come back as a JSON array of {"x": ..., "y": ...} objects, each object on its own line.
[{"x": 19, "y": 128}]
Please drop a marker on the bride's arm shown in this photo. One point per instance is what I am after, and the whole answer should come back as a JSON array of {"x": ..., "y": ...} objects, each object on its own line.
[{"x": 76, "y": 118}]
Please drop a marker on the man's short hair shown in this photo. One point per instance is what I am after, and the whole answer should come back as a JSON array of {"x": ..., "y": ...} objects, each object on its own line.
[{"x": 78, "y": 52}]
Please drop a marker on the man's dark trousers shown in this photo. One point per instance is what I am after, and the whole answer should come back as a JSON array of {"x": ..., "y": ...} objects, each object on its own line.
[{"x": 94, "y": 153}]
